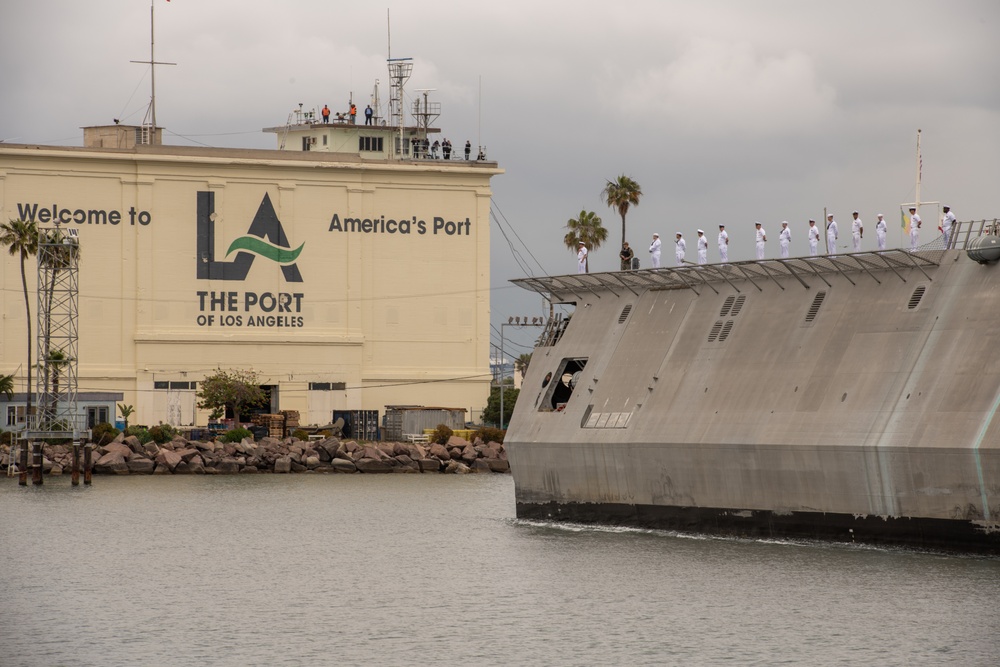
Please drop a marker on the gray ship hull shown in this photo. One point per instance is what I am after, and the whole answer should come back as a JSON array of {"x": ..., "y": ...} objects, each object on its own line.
[{"x": 851, "y": 398}]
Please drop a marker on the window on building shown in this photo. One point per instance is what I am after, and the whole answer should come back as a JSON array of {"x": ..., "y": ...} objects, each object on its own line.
[
  {"x": 96, "y": 414},
  {"x": 327, "y": 386},
  {"x": 172, "y": 385},
  {"x": 305, "y": 143},
  {"x": 15, "y": 415},
  {"x": 370, "y": 144}
]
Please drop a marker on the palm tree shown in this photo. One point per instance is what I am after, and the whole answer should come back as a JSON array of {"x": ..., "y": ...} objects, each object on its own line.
[
  {"x": 620, "y": 194},
  {"x": 521, "y": 363},
  {"x": 21, "y": 238},
  {"x": 586, "y": 229},
  {"x": 7, "y": 386}
]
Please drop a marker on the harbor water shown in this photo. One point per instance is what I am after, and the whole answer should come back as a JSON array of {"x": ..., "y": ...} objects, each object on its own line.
[{"x": 435, "y": 569}]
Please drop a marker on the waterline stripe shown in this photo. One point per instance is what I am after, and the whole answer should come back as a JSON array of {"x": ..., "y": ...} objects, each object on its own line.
[{"x": 264, "y": 249}]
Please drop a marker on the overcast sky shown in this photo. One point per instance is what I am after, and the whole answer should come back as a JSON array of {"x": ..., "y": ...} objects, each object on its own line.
[{"x": 723, "y": 111}]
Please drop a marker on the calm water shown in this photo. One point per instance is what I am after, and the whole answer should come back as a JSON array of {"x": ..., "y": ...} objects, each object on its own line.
[{"x": 435, "y": 569}]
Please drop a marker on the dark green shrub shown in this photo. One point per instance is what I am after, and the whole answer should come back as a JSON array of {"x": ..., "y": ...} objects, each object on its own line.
[
  {"x": 140, "y": 432},
  {"x": 237, "y": 434},
  {"x": 489, "y": 434},
  {"x": 441, "y": 434},
  {"x": 103, "y": 433},
  {"x": 162, "y": 433},
  {"x": 299, "y": 434}
]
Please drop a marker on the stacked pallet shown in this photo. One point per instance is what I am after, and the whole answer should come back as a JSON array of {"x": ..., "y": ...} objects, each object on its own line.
[
  {"x": 291, "y": 419},
  {"x": 275, "y": 424}
]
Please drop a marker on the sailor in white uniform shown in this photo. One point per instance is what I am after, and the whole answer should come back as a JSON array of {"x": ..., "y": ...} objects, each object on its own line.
[
  {"x": 723, "y": 244},
  {"x": 857, "y": 232},
  {"x": 784, "y": 239},
  {"x": 681, "y": 249},
  {"x": 581, "y": 258},
  {"x": 702, "y": 247},
  {"x": 654, "y": 251},
  {"x": 914, "y": 228},
  {"x": 813, "y": 238},
  {"x": 947, "y": 221},
  {"x": 761, "y": 240},
  {"x": 880, "y": 231},
  {"x": 831, "y": 235}
]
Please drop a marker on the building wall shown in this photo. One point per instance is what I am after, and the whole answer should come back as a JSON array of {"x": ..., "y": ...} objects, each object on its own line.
[{"x": 400, "y": 314}]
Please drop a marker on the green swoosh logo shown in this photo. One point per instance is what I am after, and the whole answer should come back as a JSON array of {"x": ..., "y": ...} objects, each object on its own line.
[{"x": 265, "y": 249}]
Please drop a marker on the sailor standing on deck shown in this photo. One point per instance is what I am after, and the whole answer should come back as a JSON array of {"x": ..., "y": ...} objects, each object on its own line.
[
  {"x": 831, "y": 235},
  {"x": 581, "y": 258},
  {"x": 784, "y": 239},
  {"x": 914, "y": 228},
  {"x": 880, "y": 231},
  {"x": 761, "y": 240},
  {"x": 813, "y": 238},
  {"x": 723, "y": 244},
  {"x": 681, "y": 250},
  {"x": 857, "y": 232},
  {"x": 947, "y": 221},
  {"x": 654, "y": 251},
  {"x": 702, "y": 247}
]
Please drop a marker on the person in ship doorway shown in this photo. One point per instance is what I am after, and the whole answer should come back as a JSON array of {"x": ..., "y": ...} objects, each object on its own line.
[
  {"x": 880, "y": 231},
  {"x": 326, "y": 114},
  {"x": 857, "y": 232},
  {"x": 723, "y": 244},
  {"x": 761, "y": 240},
  {"x": 947, "y": 221},
  {"x": 681, "y": 249},
  {"x": 914, "y": 228},
  {"x": 581, "y": 258},
  {"x": 831, "y": 235},
  {"x": 702, "y": 247},
  {"x": 626, "y": 256},
  {"x": 654, "y": 251},
  {"x": 784, "y": 239},
  {"x": 813, "y": 239}
]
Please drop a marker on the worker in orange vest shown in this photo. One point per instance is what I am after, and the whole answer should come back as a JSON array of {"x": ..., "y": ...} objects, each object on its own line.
[
  {"x": 326, "y": 114},
  {"x": 354, "y": 112}
]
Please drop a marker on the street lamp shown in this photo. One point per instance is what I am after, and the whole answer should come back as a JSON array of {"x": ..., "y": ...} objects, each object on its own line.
[{"x": 519, "y": 322}]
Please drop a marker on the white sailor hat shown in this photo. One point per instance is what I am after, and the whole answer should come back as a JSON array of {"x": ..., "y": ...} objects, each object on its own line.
[
  {"x": 582, "y": 243},
  {"x": 913, "y": 208},
  {"x": 756, "y": 223},
  {"x": 701, "y": 231},
  {"x": 721, "y": 226},
  {"x": 812, "y": 221},
  {"x": 655, "y": 234},
  {"x": 679, "y": 234},
  {"x": 880, "y": 215},
  {"x": 784, "y": 223},
  {"x": 854, "y": 212}
]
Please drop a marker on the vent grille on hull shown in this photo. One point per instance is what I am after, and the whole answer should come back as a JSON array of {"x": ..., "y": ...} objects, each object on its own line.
[
  {"x": 738, "y": 305},
  {"x": 727, "y": 304},
  {"x": 724, "y": 334},
  {"x": 917, "y": 295},
  {"x": 625, "y": 311},
  {"x": 814, "y": 308},
  {"x": 714, "y": 333}
]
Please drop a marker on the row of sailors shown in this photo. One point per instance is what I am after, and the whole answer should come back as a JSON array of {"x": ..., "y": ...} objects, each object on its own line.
[{"x": 785, "y": 238}]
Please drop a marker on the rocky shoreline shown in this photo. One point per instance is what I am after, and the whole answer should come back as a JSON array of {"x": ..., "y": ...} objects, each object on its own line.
[{"x": 127, "y": 456}]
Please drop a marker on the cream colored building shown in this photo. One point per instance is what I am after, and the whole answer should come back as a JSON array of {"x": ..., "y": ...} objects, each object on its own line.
[{"x": 348, "y": 280}]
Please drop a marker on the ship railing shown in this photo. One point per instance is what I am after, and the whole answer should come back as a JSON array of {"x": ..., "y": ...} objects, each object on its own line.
[{"x": 963, "y": 232}]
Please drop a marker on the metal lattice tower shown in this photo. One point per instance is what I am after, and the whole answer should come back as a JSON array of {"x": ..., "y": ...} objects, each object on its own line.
[
  {"x": 399, "y": 71},
  {"x": 58, "y": 299}
]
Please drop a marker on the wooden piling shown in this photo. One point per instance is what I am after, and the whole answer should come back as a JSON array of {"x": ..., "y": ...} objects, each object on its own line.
[
  {"x": 76, "y": 463},
  {"x": 36, "y": 463},
  {"x": 22, "y": 464},
  {"x": 88, "y": 450}
]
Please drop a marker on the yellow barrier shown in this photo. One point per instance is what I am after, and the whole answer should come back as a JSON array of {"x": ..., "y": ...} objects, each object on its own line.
[{"x": 465, "y": 433}]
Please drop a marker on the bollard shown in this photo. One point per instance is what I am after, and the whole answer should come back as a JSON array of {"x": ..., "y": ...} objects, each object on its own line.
[{"x": 76, "y": 463}]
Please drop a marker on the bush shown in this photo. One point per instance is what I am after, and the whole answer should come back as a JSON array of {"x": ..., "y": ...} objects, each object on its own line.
[
  {"x": 489, "y": 434},
  {"x": 140, "y": 432},
  {"x": 441, "y": 434},
  {"x": 162, "y": 433},
  {"x": 237, "y": 435},
  {"x": 299, "y": 434},
  {"x": 104, "y": 433}
]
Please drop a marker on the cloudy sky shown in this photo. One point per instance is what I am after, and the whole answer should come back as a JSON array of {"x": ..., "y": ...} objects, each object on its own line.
[{"x": 723, "y": 111}]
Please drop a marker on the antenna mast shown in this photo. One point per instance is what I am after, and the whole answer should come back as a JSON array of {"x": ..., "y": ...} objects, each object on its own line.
[{"x": 149, "y": 128}]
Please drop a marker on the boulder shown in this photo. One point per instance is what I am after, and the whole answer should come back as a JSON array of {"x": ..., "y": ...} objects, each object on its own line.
[
  {"x": 400, "y": 448},
  {"x": 120, "y": 437},
  {"x": 187, "y": 453},
  {"x": 249, "y": 470},
  {"x": 407, "y": 467},
  {"x": 204, "y": 446},
  {"x": 312, "y": 462},
  {"x": 469, "y": 454},
  {"x": 161, "y": 469},
  {"x": 370, "y": 465},
  {"x": 141, "y": 466},
  {"x": 298, "y": 467},
  {"x": 343, "y": 465},
  {"x": 455, "y": 441},
  {"x": 369, "y": 452},
  {"x": 195, "y": 467},
  {"x": 403, "y": 459},
  {"x": 131, "y": 442},
  {"x": 123, "y": 448},
  {"x": 498, "y": 465},
  {"x": 440, "y": 451},
  {"x": 283, "y": 464},
  {"x": 456, "y": 467},
  {"x": 112, "y": 462},
  {"x": 55, "y": 470},
  {"x": 228, "y": 466},
  {"x": 168, "y": 458},
  {"x": 455, "y": 453},
  {"x": 480, "y": 465},
  {"x": 151, "y": 449},
  {"x": 429, "y": 465},
  {"x": 352, "y": 446}
]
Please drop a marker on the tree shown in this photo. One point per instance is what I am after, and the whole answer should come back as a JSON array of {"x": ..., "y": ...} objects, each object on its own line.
[
  {"x": 233, "y": 389},
  {"x": 521, "y": 364},
  {"x": 620, "y": 194},
  {"x": 7, "y": 386},
  {"x": 586, "y": 229},
  {"x": 21, "y": 238},
  {"x": 491, "y": 415},
  {"x": 127, "y": 411}
]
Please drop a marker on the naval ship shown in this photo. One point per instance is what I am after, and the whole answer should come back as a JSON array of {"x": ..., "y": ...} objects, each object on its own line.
[{"x": 849, "y": 397}]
